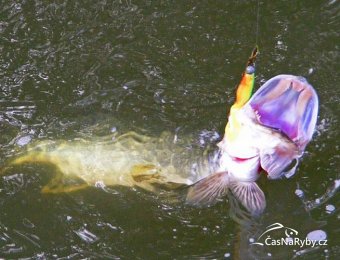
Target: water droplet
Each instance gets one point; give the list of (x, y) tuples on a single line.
[(299, 193), (27, 223), (330, 208), (86, 235), (100, 184), (43, 76), (24, 140)]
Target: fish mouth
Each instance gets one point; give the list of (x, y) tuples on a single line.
[(241, 160)]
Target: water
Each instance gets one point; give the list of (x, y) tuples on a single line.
[(82, 69)]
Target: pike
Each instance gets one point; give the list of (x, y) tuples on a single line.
[(265, 132)]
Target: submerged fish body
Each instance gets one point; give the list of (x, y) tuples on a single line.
[(265, 132), (127, 160)]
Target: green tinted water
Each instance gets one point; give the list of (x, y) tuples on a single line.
[(71, 69)]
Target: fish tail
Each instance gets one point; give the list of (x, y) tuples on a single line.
[(209, 190)]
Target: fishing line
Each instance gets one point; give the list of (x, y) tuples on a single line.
[(257, 21)]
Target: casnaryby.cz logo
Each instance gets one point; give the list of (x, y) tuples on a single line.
[(278, 235)]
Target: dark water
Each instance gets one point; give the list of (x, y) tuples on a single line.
[(82, 68)]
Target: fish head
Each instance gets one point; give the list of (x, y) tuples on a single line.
[(282, 114), (289, 104)]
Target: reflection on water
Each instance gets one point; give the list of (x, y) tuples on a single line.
[(73, 70)]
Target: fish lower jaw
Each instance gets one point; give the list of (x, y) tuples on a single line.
[(246, 170), (246, 177)]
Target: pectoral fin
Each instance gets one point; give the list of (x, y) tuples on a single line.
[(146, 172), (250, 195), (208, 190)]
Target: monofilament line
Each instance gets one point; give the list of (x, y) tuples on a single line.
[(257, 20)]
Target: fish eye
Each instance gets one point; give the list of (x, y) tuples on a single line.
[(250, 69)]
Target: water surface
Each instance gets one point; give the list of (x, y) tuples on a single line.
[(71, 69)]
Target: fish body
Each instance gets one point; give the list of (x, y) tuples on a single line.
[(265, 132), (131, 160)]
